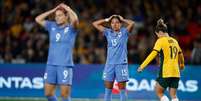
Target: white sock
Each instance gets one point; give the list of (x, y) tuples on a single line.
[(164, 98), (175, 99)]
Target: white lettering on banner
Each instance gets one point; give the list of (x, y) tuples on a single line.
[(16, 81), (192, 85), (134, 85), (38, 83), (26, 83), (4, 82), (21, 82), (148, 85), (189, 86), (144, 85)]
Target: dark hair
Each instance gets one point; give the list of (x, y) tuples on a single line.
[(161, 26), (115, 17)]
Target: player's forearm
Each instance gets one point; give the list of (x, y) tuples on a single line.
[(99, 24), (151, 56), (72, 15), (181, 61), (41, 18), (130, 24)]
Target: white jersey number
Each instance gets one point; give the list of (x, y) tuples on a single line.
[(114, 42), (58, 37), (65, 73)]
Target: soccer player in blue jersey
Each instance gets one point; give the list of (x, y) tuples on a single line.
[(62, 33), (116, 64)]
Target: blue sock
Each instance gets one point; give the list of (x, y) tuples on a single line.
[(66, 99), (123, 95), (108, 94), (51, 98)]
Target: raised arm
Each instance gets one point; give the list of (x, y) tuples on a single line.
[(72, 15), (130, 23), (40, 19), (98, 24)]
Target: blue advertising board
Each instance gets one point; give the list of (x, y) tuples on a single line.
[(26, 80)]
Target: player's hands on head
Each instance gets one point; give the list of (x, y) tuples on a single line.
[(121, 18), (110, 18), (64, 6), (58, 6)]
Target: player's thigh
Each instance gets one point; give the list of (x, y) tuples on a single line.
[(163, 82), (49, 89), (174, 83), (64, 75), (50, 75), (65, 90), (109, 84), (121, 72), (159, 89), (109, 73)]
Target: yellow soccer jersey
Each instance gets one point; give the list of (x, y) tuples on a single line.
[(168, 49)]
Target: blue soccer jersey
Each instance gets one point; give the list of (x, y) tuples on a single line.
[(61, 43), (117, 46)]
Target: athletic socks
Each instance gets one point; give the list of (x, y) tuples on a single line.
[(175, 99), (123, 95), (52, 98), (108, 94), (66, 99), (164, 98)]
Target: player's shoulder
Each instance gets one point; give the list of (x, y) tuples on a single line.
[(107, 29), (160, 39), (124, 29), (50, 22), (175, 40)]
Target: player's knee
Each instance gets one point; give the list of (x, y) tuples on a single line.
[(109, 85), (159, 93), (173, 95), (172, 92), (64, 94), (47, 94)]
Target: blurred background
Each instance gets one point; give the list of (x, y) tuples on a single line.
[(22, 41)]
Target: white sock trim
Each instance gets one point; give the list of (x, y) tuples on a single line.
[(164, 98), (175, 99)]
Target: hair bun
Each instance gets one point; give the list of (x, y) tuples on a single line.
[(160, 22)]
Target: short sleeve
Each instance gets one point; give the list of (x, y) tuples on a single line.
[(158, 45), (125, 30), (106, 31), (73, 29), (48, 25)]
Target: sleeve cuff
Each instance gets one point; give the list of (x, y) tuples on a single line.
[(155, 50)]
